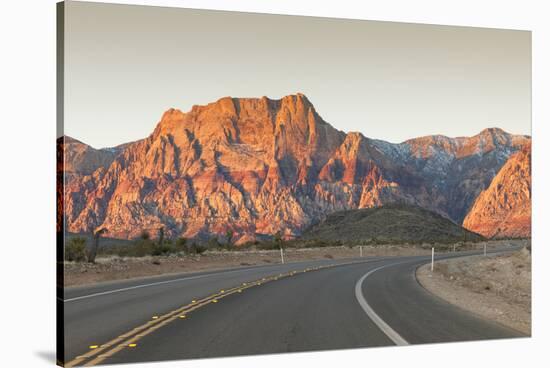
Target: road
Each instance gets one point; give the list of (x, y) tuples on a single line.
[(305, 306)]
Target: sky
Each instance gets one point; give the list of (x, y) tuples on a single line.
[(124, 65)]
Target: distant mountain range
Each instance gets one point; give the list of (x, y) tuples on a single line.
[(258, 166)]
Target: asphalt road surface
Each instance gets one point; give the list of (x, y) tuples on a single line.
[(304, 306)]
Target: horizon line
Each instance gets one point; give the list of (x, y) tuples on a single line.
[(297, 94)]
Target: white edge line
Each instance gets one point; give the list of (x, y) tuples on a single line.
[(132, 288), (382, 325), (390, 332), (151, 284)]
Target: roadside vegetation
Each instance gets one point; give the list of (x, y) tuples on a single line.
[(82, 248), (79, 248)]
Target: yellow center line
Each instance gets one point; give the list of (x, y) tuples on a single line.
[(95, 351), (129, 339), (151, 329)]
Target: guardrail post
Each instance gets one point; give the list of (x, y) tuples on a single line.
[(433, 251)]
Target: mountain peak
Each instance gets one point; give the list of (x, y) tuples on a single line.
[(261, 165), (493, 132)]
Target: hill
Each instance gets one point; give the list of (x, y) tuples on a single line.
[(390, 223)]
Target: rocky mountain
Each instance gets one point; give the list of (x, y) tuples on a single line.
[(504, 208), (259, 166), (82, 159), (75, 160), (393, 223)]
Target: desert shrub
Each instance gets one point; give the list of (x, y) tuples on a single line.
[(75, 250), (268, 245), (138, 248), (181, 242), (195, 249), (162, 249), (146, 247), (246, 246), (327, 243), (213, 243)]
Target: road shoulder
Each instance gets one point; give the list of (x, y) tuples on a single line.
[(497, 288)]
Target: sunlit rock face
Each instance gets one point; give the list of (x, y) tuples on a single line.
[(258, 166), (504, 208)]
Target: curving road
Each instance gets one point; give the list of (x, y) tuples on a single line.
[(320, 305)]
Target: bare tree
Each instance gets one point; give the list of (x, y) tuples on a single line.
[(161, 236), (229, 237), (95, 244)]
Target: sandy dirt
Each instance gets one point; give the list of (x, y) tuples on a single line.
[(116, 268), (494, 287)]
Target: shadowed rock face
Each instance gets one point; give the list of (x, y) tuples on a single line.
[(504, 208), (258, 166)]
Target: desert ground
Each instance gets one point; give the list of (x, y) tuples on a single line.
[(110, 268), (496, 287)]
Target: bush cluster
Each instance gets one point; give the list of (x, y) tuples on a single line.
[(75, 250), (145, 246)]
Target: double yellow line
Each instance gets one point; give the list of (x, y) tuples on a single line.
[(99, 353)]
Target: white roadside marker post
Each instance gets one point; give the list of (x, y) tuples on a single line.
[(454, 248), (360, 251), (282, 256), (484, 249), (432, 259)]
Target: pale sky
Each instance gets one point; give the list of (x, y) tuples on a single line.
[(125, 65)]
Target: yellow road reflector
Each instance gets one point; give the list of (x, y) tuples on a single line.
[(155, 317), (215, 301), (239, 291), (244, 283), (94, 346), (182, 316), (222, 291), (132, 345), (193, 301)]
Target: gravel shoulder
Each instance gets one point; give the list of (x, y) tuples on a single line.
[(496, 287), (120, 268)]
